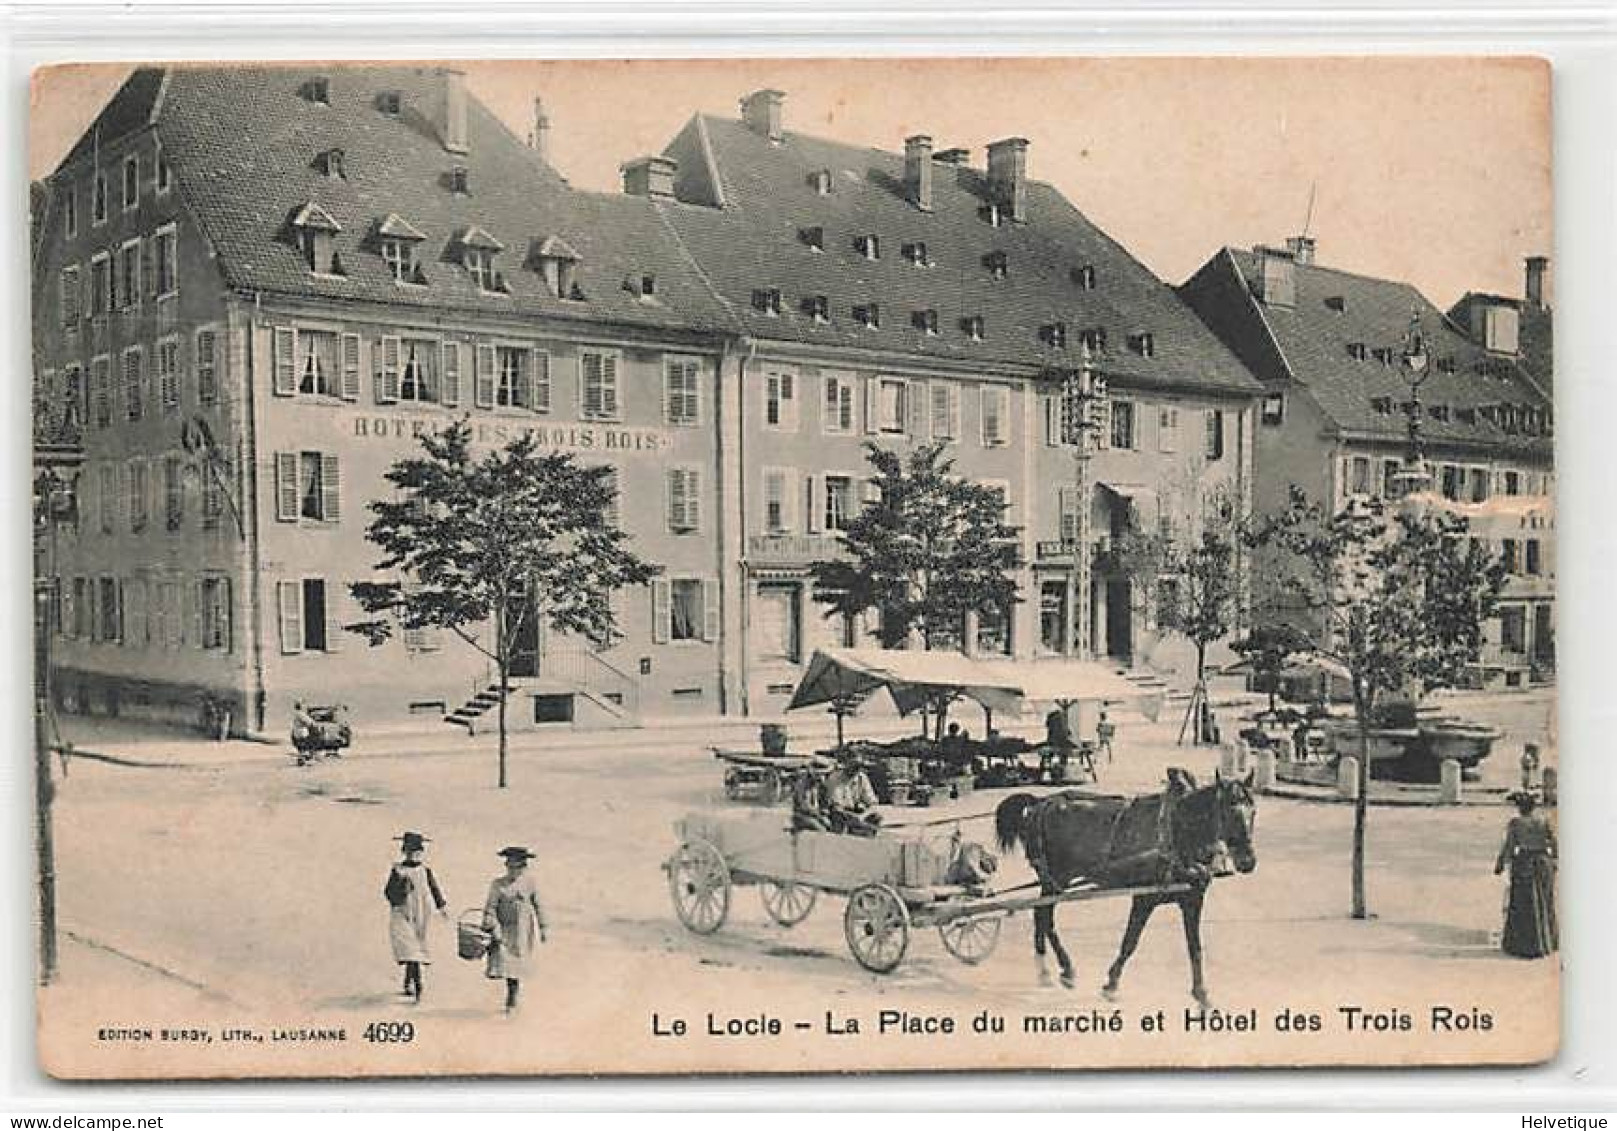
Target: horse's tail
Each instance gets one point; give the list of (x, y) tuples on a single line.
[(1008, 819)]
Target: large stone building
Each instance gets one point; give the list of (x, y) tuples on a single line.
[(255, 287), (908, 297), (1329, 346)]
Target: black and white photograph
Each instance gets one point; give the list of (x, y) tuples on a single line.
[(547, 568)]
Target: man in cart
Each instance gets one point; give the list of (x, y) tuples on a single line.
[(850, 800)]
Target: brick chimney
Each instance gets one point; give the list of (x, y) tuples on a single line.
[(1302, 249), (452, 123), (760, 110), (1007, 176), (541, 131), (650, 176), (918, 171), (1538, 268)]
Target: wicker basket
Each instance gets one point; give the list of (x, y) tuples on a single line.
[(472, 939)]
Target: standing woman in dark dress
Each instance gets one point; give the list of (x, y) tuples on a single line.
[(1529, 852)]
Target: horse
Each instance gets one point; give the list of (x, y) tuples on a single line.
[(1186, 836)]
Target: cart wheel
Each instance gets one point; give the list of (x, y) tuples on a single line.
[(699, 882), (971, 939), (877, 925), (787, 903)]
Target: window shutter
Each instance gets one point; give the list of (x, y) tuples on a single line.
[(387, 370), (283, 361), (609, 384), (789, 500), (1067, 500), (286, 486), (289, 601), (661, 597), (539, 379), (483, 376), (938, 393), (1052, 421), (693, 499), (449, 379), (915, 410), (710, 608), (199, 613), (954, 410), (350, 367), (676, 500), (330, 488), (334, 618), (673, 398), (813, 492), (872, 404), (148, 268), (1103, 423)]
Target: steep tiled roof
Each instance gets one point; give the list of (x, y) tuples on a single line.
[(243, 143), (129, 110), (754, 242), (1336, 310)]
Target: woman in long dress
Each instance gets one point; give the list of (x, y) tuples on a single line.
[(1529, 852), (513, 916), (413, 895)]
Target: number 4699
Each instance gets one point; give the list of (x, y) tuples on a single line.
[(390, 1032)]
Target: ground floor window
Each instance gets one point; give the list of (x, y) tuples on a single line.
[(1053, 616), (1513, 629), (109, 610), (685, 609), (213, 602), (994, 631), (302, 605), (778, 621)]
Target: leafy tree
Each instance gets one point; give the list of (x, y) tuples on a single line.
[(482, 543), (1267, 648), (1400, 597), (928, 549)]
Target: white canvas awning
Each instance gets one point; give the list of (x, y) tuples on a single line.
[(911, 678), (1069, 681)]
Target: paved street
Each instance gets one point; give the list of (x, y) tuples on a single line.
[(256, 890)]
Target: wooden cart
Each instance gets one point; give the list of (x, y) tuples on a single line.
[(893, 885), (752, 776)]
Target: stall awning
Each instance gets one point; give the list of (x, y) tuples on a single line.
[(911, 678)]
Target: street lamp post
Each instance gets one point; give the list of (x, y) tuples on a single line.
[(1414, 477), (1082, 394)]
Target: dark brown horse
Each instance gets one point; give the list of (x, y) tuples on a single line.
[(1184, 835)]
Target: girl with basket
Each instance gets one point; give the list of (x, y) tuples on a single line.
[(412, 894), (515, 921)]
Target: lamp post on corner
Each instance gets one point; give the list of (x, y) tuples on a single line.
[(1414, 477), (1083, 397)]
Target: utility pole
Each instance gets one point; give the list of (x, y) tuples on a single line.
[(1083, 397)]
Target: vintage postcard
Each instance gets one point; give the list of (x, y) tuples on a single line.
[(793, 566)]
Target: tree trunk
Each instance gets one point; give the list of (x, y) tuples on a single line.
[(503, 666), (1361, 803), (1204, 710)]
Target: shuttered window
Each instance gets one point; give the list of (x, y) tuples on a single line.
[(451, 373), (778, 499), (101, 390), (996, 407), (207, 345), (308, 485), (780, 400), (418, 375), (168, 373), (945, 397), (134, 383), (598, 385), (684, 500), (139, 495), (837, 417), (306, 610), (682, 402), (349, 384), (386, 359), (173, 492)]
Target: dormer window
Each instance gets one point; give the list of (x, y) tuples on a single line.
[(331, 164), (1357, 351), (1466, 415), (1383, 354), (1440, 413), (1445, 365), (398, 240), (557, 263), (1143, 344), (1382, 405), (318, 90), (1093, 340), (1084, 277), (820, 182), (991, 215), (477, 252), (925, 321), (817, 307), (460, 182), (648, 286), (315, 231), (1337, 303), (868, 316), (1054, 334), (868, 246), (766, 300), (813, 238), (972, 327), (916, 254), (388, 103), (998, 264)]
